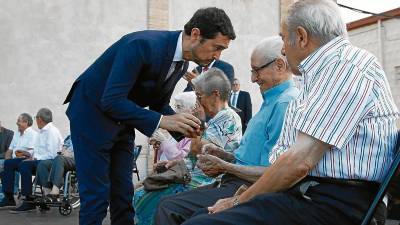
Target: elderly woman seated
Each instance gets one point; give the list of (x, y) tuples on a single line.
[(166, 147), (223, 129)]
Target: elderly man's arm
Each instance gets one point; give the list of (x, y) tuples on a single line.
[(291, 167), (213, 166)]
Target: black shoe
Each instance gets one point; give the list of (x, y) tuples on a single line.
[(25, 207), (6, 203)]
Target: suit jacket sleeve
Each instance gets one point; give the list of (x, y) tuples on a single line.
[(249, 108), (9, 137), (125, 70)]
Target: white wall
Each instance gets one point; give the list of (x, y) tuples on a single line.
[(46, 44), (367, 38)]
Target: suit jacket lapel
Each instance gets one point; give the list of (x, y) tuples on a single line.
[(166, 63)]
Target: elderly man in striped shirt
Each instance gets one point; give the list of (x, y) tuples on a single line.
[(338, 138)]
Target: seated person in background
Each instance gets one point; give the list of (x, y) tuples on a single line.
[(21, 148), (50, 172), (271, 72), (224, 130), (48, 143), (169, 148)]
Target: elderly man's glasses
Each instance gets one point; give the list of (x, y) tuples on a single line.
[(257, 69)]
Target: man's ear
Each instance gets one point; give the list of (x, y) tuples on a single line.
[(302, 37), (195, 34), (280, 64)]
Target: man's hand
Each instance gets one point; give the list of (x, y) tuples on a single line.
[(222, 204), (22, 154), (189, 76), (214, 150), (184, 123), (211, 165)]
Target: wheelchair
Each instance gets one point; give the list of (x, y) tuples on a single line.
[(67, 200)]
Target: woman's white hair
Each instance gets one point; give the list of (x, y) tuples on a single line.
[(321, 19), (186, 99)]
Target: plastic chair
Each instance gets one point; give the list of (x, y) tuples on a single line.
[(136, 152), (384, 185)]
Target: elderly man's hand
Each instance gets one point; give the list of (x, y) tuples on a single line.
[(212, 149), (211, 165), (222, 204), (189, 76)]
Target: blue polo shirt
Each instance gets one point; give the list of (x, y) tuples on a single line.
[(264, 128)]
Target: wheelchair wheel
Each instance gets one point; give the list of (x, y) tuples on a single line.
[(65, 209)]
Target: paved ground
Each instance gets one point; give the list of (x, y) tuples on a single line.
[(51, 217)]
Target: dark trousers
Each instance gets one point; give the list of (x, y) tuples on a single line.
[(104, 178), (26, 168), (51, 172), (329, 204), (178, 208)]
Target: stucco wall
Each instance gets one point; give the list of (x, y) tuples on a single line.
[(45, 45), (367, 38)]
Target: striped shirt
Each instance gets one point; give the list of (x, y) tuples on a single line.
[(345, 102)]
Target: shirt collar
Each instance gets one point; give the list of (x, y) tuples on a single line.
[(178, 56), (25, 131), (46, 127), (321, 53), (277, 90)]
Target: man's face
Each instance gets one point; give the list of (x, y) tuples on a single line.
[(235, 86), (291, 52), (21, 124), (263, 76), (204, 51)]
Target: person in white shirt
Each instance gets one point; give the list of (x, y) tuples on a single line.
[(48, 143), (21, 147)]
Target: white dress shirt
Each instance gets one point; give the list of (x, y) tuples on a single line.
[(25, 141), (49, 142)]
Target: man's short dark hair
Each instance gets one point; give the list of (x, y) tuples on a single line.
[(27, 118), (210, 22)]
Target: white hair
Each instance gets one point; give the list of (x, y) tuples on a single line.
[(186, 99), (213, 79), (320, 18), (269, 49)]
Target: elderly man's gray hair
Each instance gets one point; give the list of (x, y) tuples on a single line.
[(45, 114), (213, 79), (320, 18), (27, 118), (269, 49)]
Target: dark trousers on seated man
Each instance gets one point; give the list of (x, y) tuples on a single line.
[(306, 203), (51, 172), (178, 208), (25, 168)]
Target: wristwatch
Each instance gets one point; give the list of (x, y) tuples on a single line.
[(236, 201)]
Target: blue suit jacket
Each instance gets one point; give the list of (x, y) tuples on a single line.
[(111, 95), (220, 64), (244, 104)]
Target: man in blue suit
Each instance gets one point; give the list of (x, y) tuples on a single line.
[(107, 102), (220, 64)]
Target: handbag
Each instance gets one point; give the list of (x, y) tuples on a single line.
[(176, 174)]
